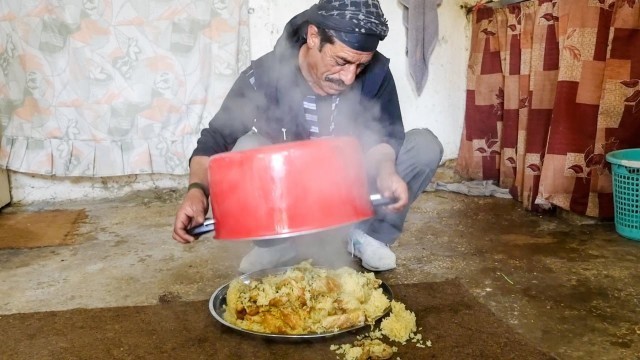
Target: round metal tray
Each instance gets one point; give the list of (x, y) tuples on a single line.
[(218, 302)]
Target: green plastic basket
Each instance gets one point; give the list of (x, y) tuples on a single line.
[(625, 166)]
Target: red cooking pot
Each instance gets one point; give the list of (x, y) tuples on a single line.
[(288, 189)]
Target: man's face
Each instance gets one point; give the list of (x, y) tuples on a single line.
[(334, 67)]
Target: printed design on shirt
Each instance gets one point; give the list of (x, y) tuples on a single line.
[(311, 116)]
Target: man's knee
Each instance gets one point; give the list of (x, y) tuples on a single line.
[(424, 148)]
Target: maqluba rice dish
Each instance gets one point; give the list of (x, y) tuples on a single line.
[(306, 300)]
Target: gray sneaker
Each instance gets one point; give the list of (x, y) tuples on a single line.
[(260, 258), (375, 255)]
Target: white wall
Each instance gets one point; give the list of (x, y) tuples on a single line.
[(439, 108)]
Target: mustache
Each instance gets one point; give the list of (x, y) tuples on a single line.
[(337, 82)]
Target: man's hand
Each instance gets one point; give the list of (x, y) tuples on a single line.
[(195, 204), (381, 162), (391, 185), (191, 213)]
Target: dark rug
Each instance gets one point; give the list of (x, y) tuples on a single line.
[(458, 326), (38, 229)]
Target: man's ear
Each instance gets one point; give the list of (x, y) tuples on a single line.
[(313, 38)]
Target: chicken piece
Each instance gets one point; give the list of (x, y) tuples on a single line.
[(344, 321), (252, 310), (278, 301), (292, 319), (241, 313), (374, 350), (326, 285), (271, 323)]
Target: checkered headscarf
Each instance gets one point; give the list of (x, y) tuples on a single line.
[(351, 16), (359, 24)]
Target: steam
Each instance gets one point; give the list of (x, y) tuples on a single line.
[(326, 248), (352, 116)]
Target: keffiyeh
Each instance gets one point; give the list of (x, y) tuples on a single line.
[(354, 16), (359, 24)]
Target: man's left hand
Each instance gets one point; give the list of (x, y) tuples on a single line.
[(391, 185), (381, 162)]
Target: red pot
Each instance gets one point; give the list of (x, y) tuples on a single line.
[(288, 189)]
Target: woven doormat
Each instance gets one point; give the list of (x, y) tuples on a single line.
[(458, 326), (39, 229)]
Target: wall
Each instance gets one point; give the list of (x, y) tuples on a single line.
[(439, 108)]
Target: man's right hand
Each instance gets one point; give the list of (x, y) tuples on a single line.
[(191, 213)]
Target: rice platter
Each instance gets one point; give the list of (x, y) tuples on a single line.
[(306, 300)]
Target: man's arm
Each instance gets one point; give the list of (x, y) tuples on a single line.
[(196, 202), (390, 115), (381, 158)]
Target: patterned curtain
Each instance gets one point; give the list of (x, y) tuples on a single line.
[(552, 87), (113, 87)]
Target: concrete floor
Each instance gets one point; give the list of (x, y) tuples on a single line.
[(571, 289)]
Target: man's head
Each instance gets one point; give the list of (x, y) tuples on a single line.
[(342, 37)]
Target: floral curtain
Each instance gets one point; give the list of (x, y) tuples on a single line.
[(552, 87), (113, 87)]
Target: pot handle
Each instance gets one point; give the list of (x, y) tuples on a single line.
[(207, 226), (379, 200)]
